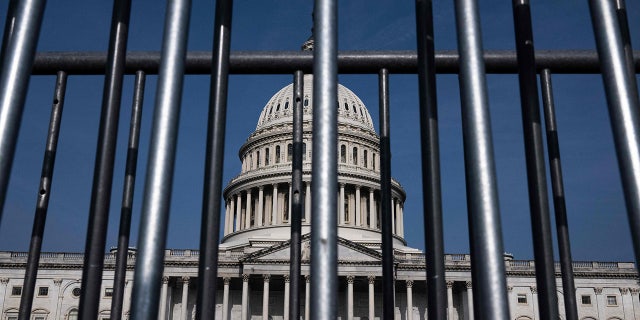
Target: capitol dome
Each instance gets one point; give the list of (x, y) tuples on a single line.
[(258, 199)]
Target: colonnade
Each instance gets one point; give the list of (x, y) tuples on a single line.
[(265, 311), (271, 205)]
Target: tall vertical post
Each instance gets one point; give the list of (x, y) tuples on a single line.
[(324, 256), (212, 190), (105, 156), (430, 152), (534, 152), (557, 186), (9, 24), (485, 232), (296, 187), (624, 108), (42, 202), (159, 176), (127, 198), (388, 297), (19, 47)]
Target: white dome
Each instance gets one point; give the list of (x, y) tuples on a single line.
[(279, 109)]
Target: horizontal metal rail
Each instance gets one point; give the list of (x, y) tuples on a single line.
[(349, 62)]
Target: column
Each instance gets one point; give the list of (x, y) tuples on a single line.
[(600, 303), (358, 211), (185, 296), (245, 296), (307, 296), (409, 299), (401, 220), (372, 211), (58, 285), (372, 305), (393, 216), (247, 222), (398, 219), (341, 204), (350, 297), (265, 297), (627, 304), (232, 209), (307, 204), (226, 217), (636, 302), (260, 206), (238, 211), (511, 300), (274, 202), (450, 300), (163, 298), (225, 298), (469, 301), (286, 297), (290, 203), (534, 297)]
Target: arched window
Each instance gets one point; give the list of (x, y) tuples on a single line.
[(289, 152), (286, 105), (258, 158), (346, 106), (373, 161), (354, 156), (277, 154), (306, 102), (365, 158), (278, 107), (343, 153), (266, 156), (353, 106)]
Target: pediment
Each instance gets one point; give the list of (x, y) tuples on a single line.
[(348, 252)]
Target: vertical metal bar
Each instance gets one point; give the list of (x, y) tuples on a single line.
[(296, 206), (488, 271), (162, 151), (624, 108), (14, 82), (388, 299), (534, 153), (214, 158), (621, 11), (105, 155), (42, 203), (557, 186), (8, 26), (127, 198), (431, 192), (324, 256)]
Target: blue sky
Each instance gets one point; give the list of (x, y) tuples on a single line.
[(597, 216)]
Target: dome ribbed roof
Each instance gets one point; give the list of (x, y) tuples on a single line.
[(279, 109)]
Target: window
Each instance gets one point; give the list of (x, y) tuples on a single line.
[(522, 298), (289, 152), (250, 161), (346, 106), (365, 159), (373, 161), (258, 158), (304, 151), (73, 314), (108, 292), (16, 290), (306, 102), (343, 153), (76, 293), (612, 301), (277, 154), (278, 107), (286, 105), (355, 156), (266, 156), (586, 299), (43, 291)]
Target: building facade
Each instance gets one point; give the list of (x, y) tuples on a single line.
[(254, 253)]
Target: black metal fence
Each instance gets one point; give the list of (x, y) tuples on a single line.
[(614, 59)]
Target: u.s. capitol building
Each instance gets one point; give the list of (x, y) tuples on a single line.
[(253, 270)]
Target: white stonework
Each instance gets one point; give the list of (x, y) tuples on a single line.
[(254, 253)]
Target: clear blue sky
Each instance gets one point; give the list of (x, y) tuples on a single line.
[(597, 216)]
